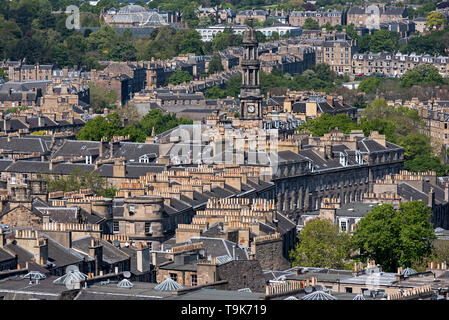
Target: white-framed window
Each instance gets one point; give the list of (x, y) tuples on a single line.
[(194, 280), (144, 159), (13, 178), (115, 226)]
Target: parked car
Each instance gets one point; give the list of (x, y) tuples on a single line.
[(5, 228)]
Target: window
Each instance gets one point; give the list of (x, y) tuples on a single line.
[(131, 210), (194, 281), (147, 227), (348, 289), (13, 178), (343, 225), (115, 226), (24, 178), (173, 276)]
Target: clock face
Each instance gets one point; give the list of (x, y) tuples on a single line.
[(251, 109)]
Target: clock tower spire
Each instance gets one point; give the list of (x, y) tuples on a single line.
[(250, 92)]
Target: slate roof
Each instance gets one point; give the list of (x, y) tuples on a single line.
[(60, 255), (134, 170), (133, 150), (216, 247), (27, 166), (23, 144), (75, 148), (61, 214), (111, 254), (5, 255)]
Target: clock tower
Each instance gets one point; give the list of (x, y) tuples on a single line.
[(250, 93)]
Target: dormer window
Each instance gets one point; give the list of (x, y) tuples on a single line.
[(144, 159), (88, 159), (343, 159)]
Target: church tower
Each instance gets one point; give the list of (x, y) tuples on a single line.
[(250, 92)]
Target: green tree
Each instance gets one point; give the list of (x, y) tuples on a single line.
[(414, 145), (80, 179), (99, 127), (395, 238), (3, 75), (321, 245), (215, 64), (311, 24), (99, 99), (417, 233), (369, 85), (179, 77), (160, 122), (423, 74), (233, 86), (379, 108), (359, 102), (188, 41), (226, 39), (326, 122), (384, 41), (189, 16), (215, 93), (435, 20)]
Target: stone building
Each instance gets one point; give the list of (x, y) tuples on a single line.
[(125, 78), (190, 267), (306, 105), (255, 224), (334, 166), (362, 17), (19, 71), (394, 64), (250, 91), (333, 17), (421, 186), (337, 52), (259, 15)]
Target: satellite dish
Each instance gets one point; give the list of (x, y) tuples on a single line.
[(127, 274), (116, 243), (308, 289)]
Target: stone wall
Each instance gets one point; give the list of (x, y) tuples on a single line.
[(242, 274), (269, 255), (21, 217)]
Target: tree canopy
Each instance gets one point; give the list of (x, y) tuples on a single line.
[(435, 20), (321, 245), (179, 77), (311, 24), (395, 238), (80, 179), (423, 74), (111, 126)]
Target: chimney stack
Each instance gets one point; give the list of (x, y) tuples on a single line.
[(96, 252), (2, 239), (143, 258), (446, 192), (431, 202)]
